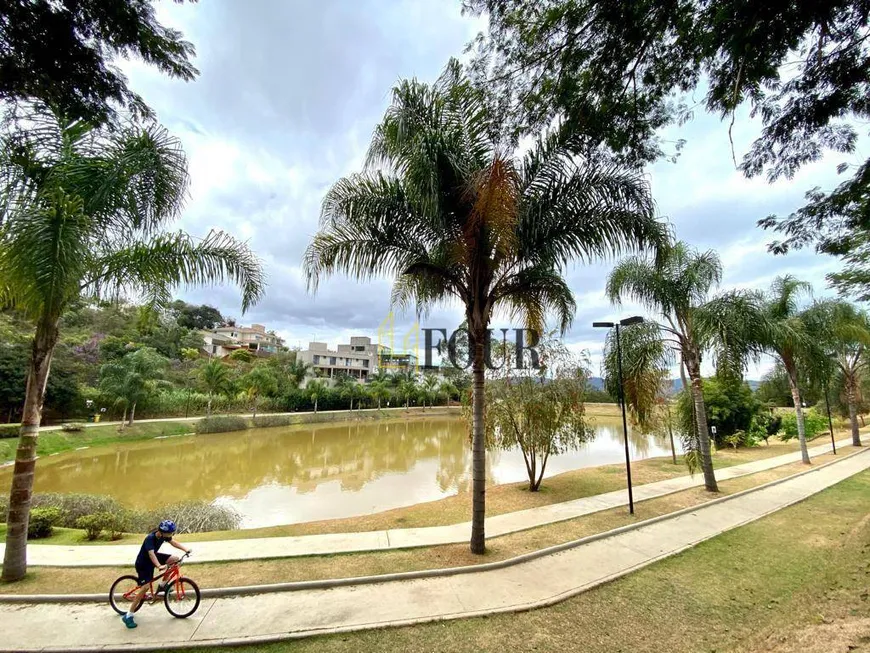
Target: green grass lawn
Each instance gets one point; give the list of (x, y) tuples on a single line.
[(796, 581)]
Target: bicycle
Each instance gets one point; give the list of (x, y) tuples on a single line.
[(181, 596)]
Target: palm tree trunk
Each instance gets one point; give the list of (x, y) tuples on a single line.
[(799, 415), (315, 405), (132, 414), (478, 451), (853, 414), (254, 416), (697, 390), (21, 493), (671, 434), (208, 406), (124, 418)]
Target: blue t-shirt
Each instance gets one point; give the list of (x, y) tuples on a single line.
[(151, 543)]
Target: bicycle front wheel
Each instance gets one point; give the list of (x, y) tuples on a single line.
[(123, 593), (182, 598)]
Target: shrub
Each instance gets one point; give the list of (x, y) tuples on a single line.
[(74, 506), (92, 525), (222, 424), (189, 516), (72, 427), (42, 522), (265, 421), (9, 430), (814, 424), (116, 523)]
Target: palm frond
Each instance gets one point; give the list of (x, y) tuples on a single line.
[(158, 264)]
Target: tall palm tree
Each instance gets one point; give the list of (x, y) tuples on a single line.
[(429, 389), (448, 212), (785, 335), (407, 390), (214, 375), (677, 287), (840, 333), (82, 214)]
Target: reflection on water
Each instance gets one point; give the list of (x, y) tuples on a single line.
[(310, 472)]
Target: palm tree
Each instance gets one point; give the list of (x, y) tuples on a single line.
[(214, 375), (839, 334), (677, 285), (448, 212), (348, 387), (785, 335), (82, 215), (428, 389), (316, 389), (407, 390), (449, 389), (258, 381), (132, 378), (380, 391)]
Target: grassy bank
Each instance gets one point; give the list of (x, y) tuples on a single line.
[(228, 574), (53, 442), (793, 582), (95, 435)]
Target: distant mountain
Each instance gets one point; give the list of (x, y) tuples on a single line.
[(598, 383)]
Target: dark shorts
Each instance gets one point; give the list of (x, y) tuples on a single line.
[(145, 573)]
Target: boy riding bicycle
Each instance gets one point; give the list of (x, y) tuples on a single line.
[(149, 559)]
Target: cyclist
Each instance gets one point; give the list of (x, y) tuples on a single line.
[(149, 559)]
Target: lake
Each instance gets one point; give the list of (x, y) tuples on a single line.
[(311, 472)]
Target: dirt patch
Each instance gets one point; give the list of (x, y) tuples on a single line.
[(841, 636)]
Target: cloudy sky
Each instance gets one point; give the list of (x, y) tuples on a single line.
[(288, 95)]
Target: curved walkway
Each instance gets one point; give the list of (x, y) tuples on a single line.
[(537, 583), (304, 545)]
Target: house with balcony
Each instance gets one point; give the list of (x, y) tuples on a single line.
[(358, 359), (224, 340)]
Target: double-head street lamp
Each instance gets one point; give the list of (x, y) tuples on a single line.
[(609, 325)]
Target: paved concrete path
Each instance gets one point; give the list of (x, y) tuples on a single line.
[(498, 525), (536, 583)]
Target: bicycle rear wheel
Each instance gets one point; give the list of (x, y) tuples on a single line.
[(123, 593), (182, 598)]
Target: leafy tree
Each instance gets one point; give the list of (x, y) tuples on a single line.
[(259, 381), (83, 216), (131, 380), (730, 405), (615, 73), (62, 54), (349, 388), (242, 356), (316, 390), (445, 210), (190, 316), (774, 389), (647, 388), (541, 410), (677, 285), (214, 375)]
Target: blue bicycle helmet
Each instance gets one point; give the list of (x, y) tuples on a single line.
[(167, 526)]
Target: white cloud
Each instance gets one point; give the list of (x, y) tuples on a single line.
[(288, 97)]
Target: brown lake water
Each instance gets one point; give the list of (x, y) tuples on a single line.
[(311, 472)]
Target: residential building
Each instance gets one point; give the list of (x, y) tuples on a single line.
[(360, 359), (224, 340), (357, 359)]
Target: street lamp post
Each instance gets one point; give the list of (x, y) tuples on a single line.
[(608, 325)]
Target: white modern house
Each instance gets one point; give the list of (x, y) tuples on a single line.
[(359, 359)]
